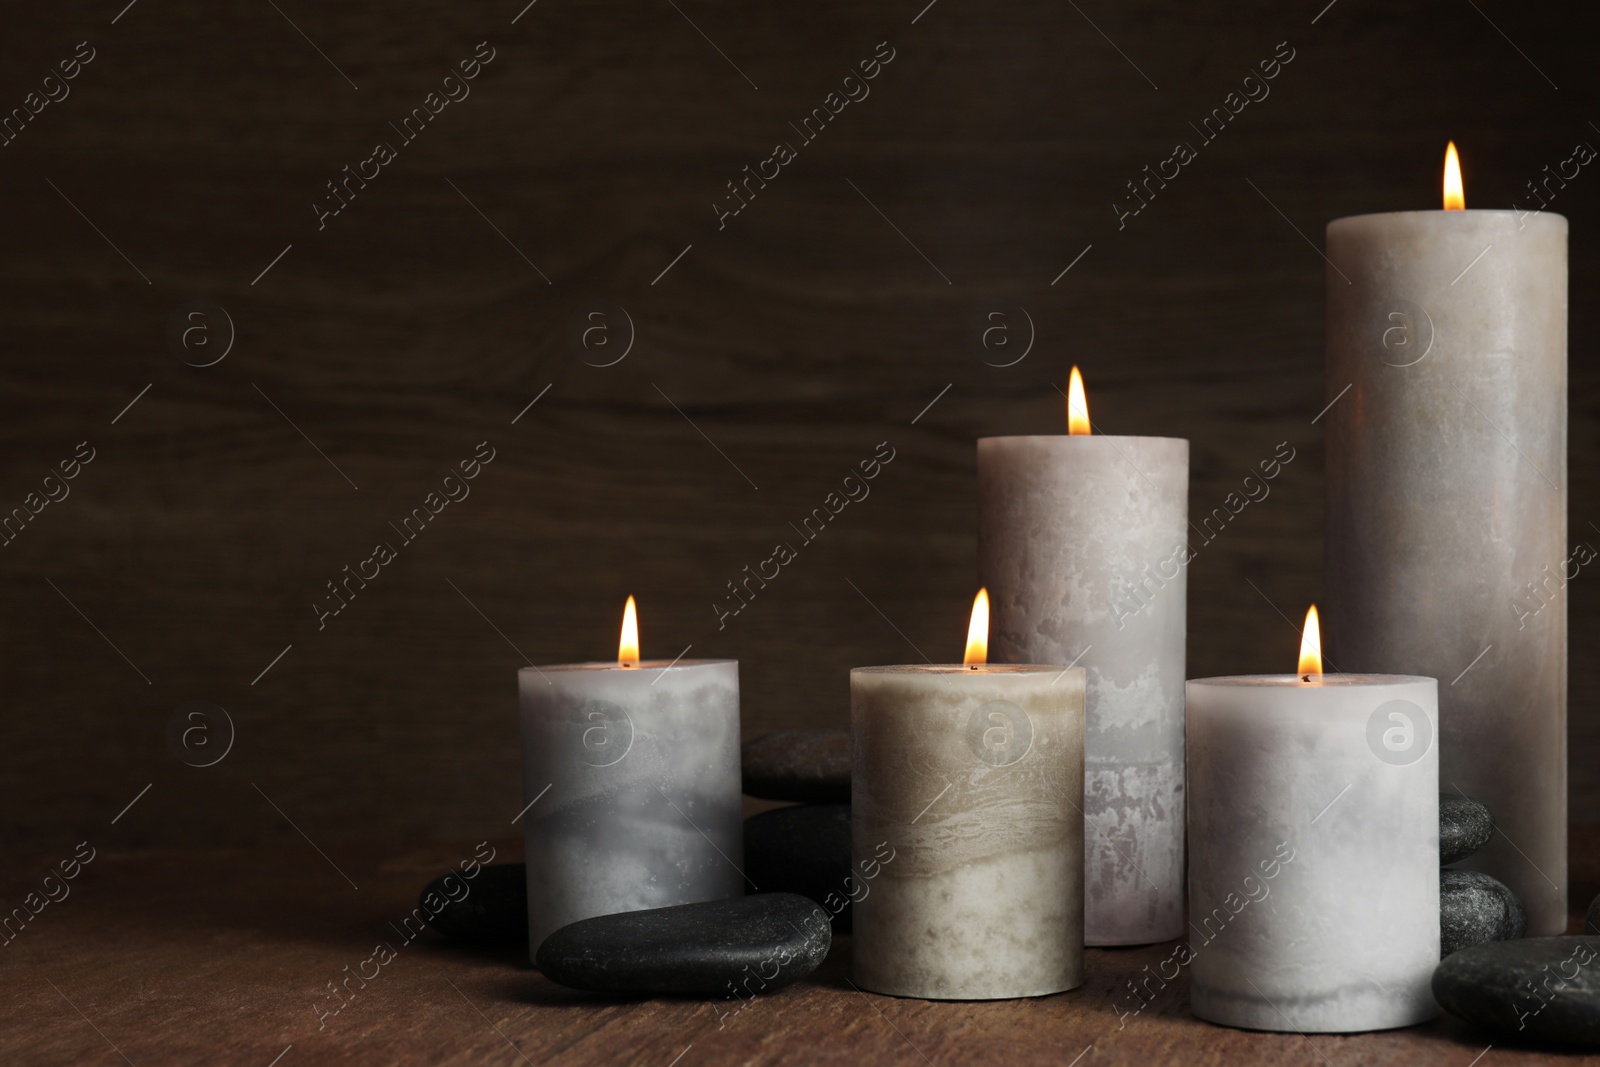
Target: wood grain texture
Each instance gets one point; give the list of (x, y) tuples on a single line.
[(225, 957), (816, 324)]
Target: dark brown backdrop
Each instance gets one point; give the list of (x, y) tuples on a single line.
[(797, 338)]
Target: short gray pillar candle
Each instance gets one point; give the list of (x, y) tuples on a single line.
[(631, 772)]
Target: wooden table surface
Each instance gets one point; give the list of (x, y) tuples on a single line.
[(225, 958)]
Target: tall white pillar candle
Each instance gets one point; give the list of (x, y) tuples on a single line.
[(1447, 504), (633, 777), (1082, 542), (1313, 851)]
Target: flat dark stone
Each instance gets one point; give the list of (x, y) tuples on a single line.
[(1474, 909), (493, 911), (722, 948), (1541, 988), (1465, 826), (1592, 924), (805, 766), (804, 850)]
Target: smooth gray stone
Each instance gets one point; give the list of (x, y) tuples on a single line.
[(722, 948), (494, 910), (806, 850), (1474, 909), (1541, 989), (805, 766), (1465, 826)]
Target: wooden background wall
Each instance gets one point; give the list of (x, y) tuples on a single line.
[(378, 351)]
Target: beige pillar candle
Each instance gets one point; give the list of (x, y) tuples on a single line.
[(1083, 542), (1447, 504), (967, 834)]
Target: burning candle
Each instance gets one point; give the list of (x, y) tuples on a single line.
[(1083, 541), (967, 831), (1447, 501), (1313, 848), (631, 774)]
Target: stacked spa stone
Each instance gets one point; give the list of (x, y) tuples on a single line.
[(797, 868), (1543, 989), (718, 949), (1537, 989), (721, 949), (804, 848), (1473, 907)]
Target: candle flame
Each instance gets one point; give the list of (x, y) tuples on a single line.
[(628, 647), (978, 631), (1077, 405), (1455, 195), (1311, 647)]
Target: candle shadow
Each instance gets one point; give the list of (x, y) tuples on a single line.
[(541, 992), (435, 945), (1473, 1039)]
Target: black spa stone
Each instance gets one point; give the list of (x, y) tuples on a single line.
[(1592, 924), (805, 850), (1475, 908), (1465, 826), (1539, 989), (744, 946), (493, 911), (804, 766)]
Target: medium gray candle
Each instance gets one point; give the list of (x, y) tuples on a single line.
[(631, 770), (966, 787), (1082, 542), (1447, 504)]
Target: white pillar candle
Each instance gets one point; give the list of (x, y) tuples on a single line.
[(1313, 851), (1447, 504), (632, 773), (1082, 542), (967, 835)]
